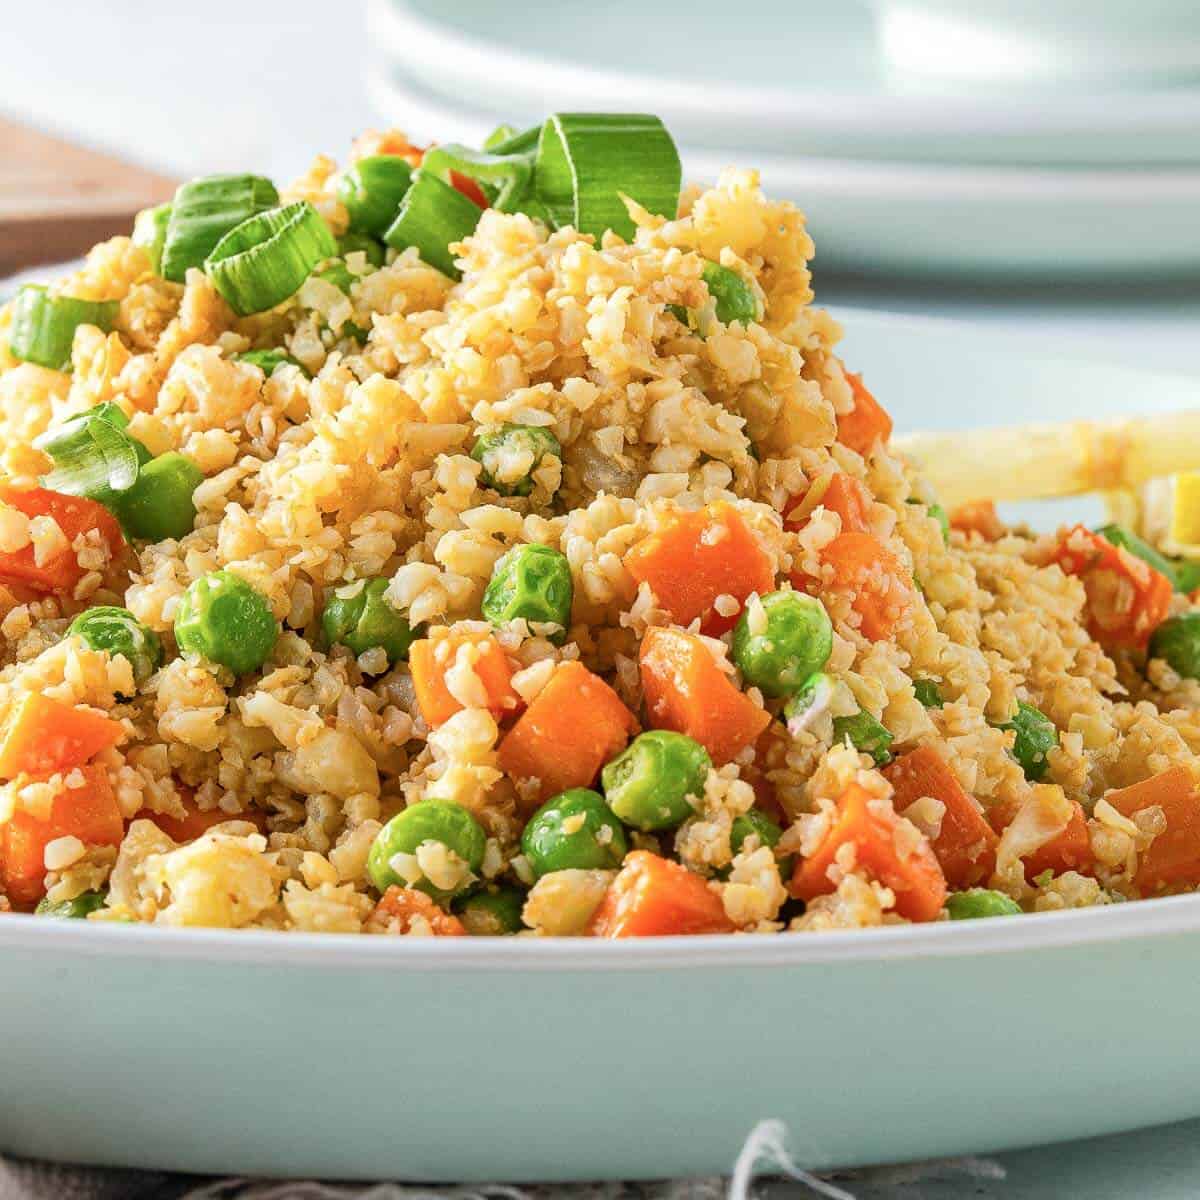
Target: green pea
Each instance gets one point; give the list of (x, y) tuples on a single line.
[(74, 909), (360, 617), (355, 242), (734, 298), (866, 735), (118, 631), (1177, 640), (1187, 574), (267, 360), (1118, 535), (980, 902), (1036, 737), (159, 505), (813, 699), (574, 829), (531, 582), (927, 692), (222, 618), (757, 822), (492, 913), (797, 641), (510, 455), (651, 784), (372, 190), (427, 821)]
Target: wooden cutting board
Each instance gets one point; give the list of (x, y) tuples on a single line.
[(58, 199)]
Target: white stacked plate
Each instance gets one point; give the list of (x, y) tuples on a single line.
[(897, 172)]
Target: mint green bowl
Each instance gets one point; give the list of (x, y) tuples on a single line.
[(341, 1057), (481, 1059)]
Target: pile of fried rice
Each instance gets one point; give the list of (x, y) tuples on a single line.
[(365, 470)]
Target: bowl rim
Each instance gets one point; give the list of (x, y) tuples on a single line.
[(1031, 933)]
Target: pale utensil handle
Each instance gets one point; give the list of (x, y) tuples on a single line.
[(1038, 461)]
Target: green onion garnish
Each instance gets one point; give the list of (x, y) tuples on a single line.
[(204, 211), (507, 176), (517, 142), (587, 161), (150, 232), (499, 135), (350, 242), (339, 275), (43, 325), (266, 259), (432, 218), (93, 455), (267, 360), (372, 190)]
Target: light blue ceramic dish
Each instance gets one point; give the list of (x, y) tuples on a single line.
[(468, 1060)]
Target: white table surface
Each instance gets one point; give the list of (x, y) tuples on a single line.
[(231, 85)]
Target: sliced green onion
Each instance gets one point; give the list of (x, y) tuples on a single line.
[(267, 360), (586, 162), (150, 232), (433, 217), (499, 135), (43, 325), (516, 143), (266, 259), (509, 176), (339, 275), (93, 455), (351, 242), (204, 211), (372, 191)]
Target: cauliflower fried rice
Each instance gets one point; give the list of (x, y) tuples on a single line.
[(694, 467)]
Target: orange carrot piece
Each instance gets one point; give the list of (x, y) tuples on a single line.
[(42, 736), (89, 812), (886, 851), (575, 724), (428, 660), (880, 589), (74, 515), (686, 691), (696, 557), (1127, 599), (198, 821), (405, 904), (866, 423), (467, 186), (847, 497), (966, 844), (654, 897), (1070, 850), (978, 516), (1173, 858)]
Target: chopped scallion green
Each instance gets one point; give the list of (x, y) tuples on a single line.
[(150, 232), (510, 176), (267, 258), (351, 242), (268, 360), (93, 455), (204, 211), (372, 190), (433, 217), (43, 325), (586, 163)]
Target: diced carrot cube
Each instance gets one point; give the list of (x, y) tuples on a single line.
[(686, 691), (654, 897), (42, 736), (430, 659)]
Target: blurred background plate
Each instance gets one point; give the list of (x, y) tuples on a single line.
[(792, 78), (917, 219)]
